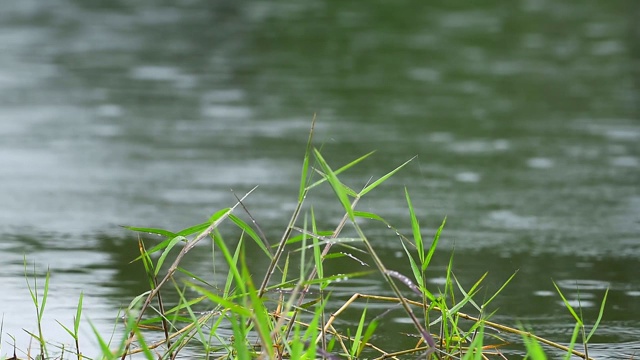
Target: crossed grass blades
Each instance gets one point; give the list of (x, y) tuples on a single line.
[(242, 323)]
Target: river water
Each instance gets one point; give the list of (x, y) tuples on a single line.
[(523, 117)]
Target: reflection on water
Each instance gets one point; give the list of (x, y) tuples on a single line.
[(521, 114)]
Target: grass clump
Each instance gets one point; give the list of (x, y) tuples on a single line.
[(240, 321)]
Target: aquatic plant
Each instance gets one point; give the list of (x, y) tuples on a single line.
[(241, 321)]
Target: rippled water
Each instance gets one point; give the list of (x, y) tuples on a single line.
[(524, 118)]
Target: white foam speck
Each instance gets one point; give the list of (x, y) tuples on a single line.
[(438, 280), (163, 73), (440, 137), (109, 110), (424, 74), (625, 161), (577, 303), (540, 163), (468, 177), (623, 134), (226, 111), (501, 144), (158, 73), (509, 220)]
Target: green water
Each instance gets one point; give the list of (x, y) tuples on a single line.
[(523, 117)]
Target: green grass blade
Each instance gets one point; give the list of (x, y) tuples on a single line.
[(475, 348), (317, 251), (369, 215), (417, 275), (355, 345), (371, 328), (252, 234), (501, 288), (34, 294), (595, 326), (233, 270), (143, 344), (219, 215), (260, 315), (148, 264), (569, 307), (434, 245), (228, 304), (193, 229), (239, 335), (467, 293), (232, 265), (342, 169), (468, 296), (193, 276), (415, 226), (383, 178), (152, 231), (534, 349), (76, 320), (336, 185), (161, 246), (106, 351), (338, 277), (69, 331), (574, 338), (166, 251), (304, 179), (45, 294)]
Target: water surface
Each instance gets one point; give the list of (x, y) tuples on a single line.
[(523, 116)]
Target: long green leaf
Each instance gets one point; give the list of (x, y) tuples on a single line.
[(317, 251), (304, 177), (69, 331), (219, 215), (230, 305), (239, 336), (417, 275), (76, 321), (260, 314), (415, 226), (384, 178), (501, 288), (595, 326), (569, 307), (193, 276), (371, 328), (232, 265), (252, 234), (342, 169), (369, 215), (45, 294), (574, 338), (166, 251), (434, 245), (475, 349), (336, 185), (106, 351), (154, 231), (233, 270), (466, 293), (355, 345), (534, 349), (194, 229), (143, 344)]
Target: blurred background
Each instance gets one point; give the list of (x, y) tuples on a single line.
[(523, 116)]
